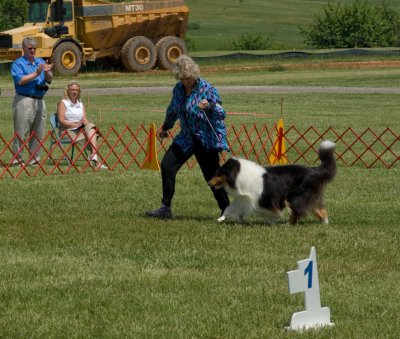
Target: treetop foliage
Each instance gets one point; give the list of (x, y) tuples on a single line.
[(13, 13), (356, 24)]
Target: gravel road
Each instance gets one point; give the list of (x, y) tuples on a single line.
[(230, 89)]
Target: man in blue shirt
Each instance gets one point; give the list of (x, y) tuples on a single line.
[(31, 76)]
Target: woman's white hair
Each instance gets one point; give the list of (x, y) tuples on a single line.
[(185, 67)]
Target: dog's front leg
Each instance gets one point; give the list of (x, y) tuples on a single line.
[(221, 218), (226, 214)]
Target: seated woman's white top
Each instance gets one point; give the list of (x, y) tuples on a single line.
[(73, 112)]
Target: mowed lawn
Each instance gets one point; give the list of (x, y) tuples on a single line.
[(214, 25), (80, 259)]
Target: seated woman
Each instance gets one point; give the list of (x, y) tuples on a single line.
[(72, 118)]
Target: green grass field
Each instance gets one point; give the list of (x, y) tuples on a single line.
[(80, 259), (220, 22)]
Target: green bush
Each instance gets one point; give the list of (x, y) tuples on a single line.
[(193, 26), (253, 41), (13, 13), (190, 44), (357, 24)]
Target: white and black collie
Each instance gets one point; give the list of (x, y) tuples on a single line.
[(268, 190)]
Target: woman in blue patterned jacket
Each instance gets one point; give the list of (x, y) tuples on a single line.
[(197, 105)]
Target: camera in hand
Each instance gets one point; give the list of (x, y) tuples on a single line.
[(42, 87)]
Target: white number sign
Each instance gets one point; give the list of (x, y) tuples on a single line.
[(305, 279)]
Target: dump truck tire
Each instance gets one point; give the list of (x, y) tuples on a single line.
[(67, 58), (138, 54), (169, 49)]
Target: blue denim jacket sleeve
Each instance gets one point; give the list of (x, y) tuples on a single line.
[(175, 106)]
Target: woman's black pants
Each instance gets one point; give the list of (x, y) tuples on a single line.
[(173, 160)]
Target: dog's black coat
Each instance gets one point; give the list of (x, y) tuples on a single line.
[(300, 188)]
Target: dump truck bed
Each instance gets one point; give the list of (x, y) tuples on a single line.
[(102, 25)]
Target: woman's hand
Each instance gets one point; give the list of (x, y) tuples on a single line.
[(203, 104), (162, 134)]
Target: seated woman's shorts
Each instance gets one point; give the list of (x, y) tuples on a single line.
[(73, 133)]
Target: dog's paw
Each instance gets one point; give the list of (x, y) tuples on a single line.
[(221, 219), (324, 221)]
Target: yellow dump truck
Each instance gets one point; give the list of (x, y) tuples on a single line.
[(140, 34)]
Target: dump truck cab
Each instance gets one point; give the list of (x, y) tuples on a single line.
[(11, 40), (139, 34), (43, 17)]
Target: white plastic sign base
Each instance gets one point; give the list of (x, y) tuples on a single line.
[(305, 279)]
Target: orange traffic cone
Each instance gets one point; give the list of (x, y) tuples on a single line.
[(278, 152), (151, 161)]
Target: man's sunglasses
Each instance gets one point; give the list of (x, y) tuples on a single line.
[(31, 48)]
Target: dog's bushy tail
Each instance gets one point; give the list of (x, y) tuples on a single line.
[(326, 154)]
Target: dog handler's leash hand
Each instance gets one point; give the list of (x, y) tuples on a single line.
[(203, 104), (162, 134)]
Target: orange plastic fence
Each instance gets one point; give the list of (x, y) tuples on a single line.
[(127, 149)]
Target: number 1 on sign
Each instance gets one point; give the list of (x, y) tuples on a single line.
[(308, 271)]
